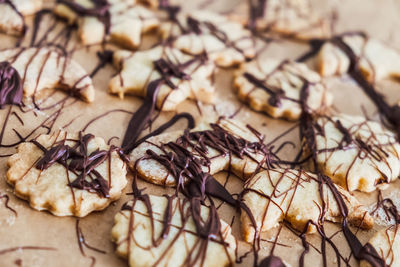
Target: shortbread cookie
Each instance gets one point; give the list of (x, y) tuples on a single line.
[(182, 76), (173, 158), (167, 231), (295, 18), (224, 41), (67, 174), (13, 12), (121, 21), (275, 88), (47, 67), (356, 153), (386, 242), (376, 59), (295, 195)]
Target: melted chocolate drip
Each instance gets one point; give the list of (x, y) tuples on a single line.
[(105, 57), (11, 90), (79, 162), (143, 116)]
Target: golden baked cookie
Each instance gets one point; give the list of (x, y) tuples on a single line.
[(168, 231), (275, 88), (377, 60), (294, 18), (181, 76), (386, 242), (13, 12), (67, 174), (121, 21), (211, 147), (356, 153), (295, 195), (225, 41), (47, 67)]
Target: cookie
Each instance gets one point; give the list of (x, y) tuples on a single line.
[(386, 242), (376, 59), (13, 11), (294, 18), (275, 87), (182, 76), (172, 158), (225, 41), (48, 67), (167, 231), (67, 174), (121, 21), (295, 196), (356, 153)]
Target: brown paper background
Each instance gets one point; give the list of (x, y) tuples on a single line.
[(380, 18)]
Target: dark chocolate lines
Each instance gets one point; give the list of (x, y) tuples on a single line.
[(6, 200), (77, 160), (82, 243), (207, 230), (308, 132), (11, 89)]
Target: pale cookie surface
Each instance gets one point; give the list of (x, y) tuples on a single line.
[(211, 148), (163, 231), (181, 76), (295, 18), (46, 67), (356, 153), (13, 12), (226, 42), (55, 181), (387, 243), (295, 195), (275, 88), (121, 21), (376, 59)]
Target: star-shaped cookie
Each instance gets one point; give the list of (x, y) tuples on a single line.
[(12, 14), (121, 21), (168, 231), (67, 174), (295, 195), (47, 67), (182, 76), (275, 88), (358, 154), (293, 18), (225, 41), (172, 158), (376, 59)]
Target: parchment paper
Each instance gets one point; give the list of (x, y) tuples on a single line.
[(379, 18)]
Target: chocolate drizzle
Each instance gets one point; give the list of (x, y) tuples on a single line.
[(82, 243), (77, 160), (308, 130), (11, 90), (99, 11), (7, 199), (390, 113)]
